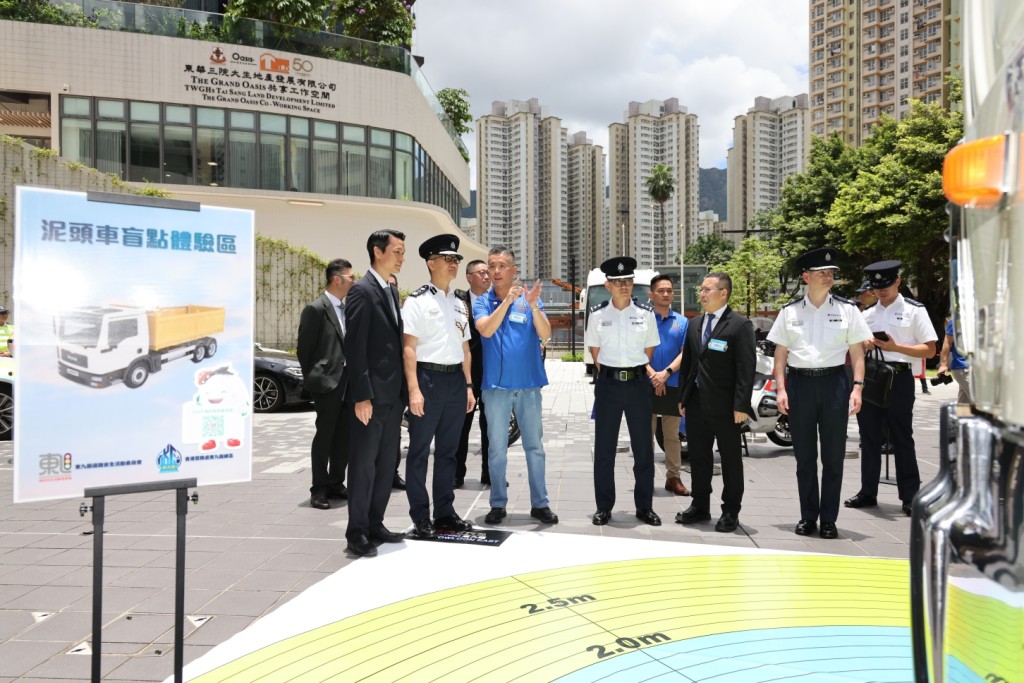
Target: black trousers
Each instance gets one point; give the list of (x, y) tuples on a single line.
[(444, 411), (819, 407), (611, 399), (467, 426), (702, 430), (329, 450), (899, 418), (371, 467)]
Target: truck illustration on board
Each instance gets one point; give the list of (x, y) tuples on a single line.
[(103, 345)]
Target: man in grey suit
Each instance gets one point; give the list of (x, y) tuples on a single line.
[(376, 392), (321, 352)]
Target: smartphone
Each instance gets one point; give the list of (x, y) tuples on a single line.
[(884, 336)]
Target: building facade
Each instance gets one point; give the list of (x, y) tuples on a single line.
[(868, 58), (585, 229), (770, 142), (654, 132)]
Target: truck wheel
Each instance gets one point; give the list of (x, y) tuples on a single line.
[(198, 354), (6, 412), (138, 373), (211, 348)]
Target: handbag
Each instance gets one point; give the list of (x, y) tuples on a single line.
[(878, 379)]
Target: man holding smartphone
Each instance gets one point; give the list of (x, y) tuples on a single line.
[(904, 333)]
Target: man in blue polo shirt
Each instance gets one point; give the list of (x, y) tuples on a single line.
[(511, 322), (663, 371)]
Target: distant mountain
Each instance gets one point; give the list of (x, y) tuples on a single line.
[(712, 191), (470, 211)]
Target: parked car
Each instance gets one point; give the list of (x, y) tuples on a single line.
[(277, 380), (6, 399)]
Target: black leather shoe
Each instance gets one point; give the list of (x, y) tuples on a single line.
[(828, 530), (727, 523), (382, 535), (693, 515), (805, 527), (545, 515), (460, 482), (319, 501), (495, 516), (423, 529), (452, 523), (648, 517), (601, 517), (338, 493), (398, 482), (907, 510), (361, 546), (861, 501), (485, 480)]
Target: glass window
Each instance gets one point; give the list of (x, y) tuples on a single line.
[(380, 137), (355, 134), (403, 142), (144, 153), (403, 176), (178, 155), (77, 106), (110, 109), (145, 111), (210, 157), (354, 163), (325, 166), (243, 119), (175, 114), (76, 140), (242, 158), (381, 173), (111, 142), (298, 178), (272, 171), (210, 117), (273, 123), (300, 126), (322, 129)]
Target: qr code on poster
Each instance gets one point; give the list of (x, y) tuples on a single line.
[(213, 426)]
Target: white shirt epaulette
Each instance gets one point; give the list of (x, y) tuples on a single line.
[(913, 303), (794, 301), (598, 307), (423, 290)]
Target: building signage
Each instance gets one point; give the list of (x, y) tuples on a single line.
[(274, 81), (134, 353)]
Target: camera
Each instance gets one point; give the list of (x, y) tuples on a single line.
[(944, 378)]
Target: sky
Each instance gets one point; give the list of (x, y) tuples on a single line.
[(585, 60)]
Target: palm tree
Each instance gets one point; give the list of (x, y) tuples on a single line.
[(661, 185)]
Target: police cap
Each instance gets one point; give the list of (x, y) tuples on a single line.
[(883, 273), (3, 310), (864, 287), (440, 245), (619, 267), (818, 259)]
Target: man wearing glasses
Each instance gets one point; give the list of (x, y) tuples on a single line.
[(437, 371), (479, 282), (718, 367), (621, 335), (511, 322)]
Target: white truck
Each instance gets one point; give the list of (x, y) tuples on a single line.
[(103, 345)]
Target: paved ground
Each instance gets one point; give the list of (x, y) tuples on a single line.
[(254, 546)]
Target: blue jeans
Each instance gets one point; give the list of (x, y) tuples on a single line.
[(499, 404)]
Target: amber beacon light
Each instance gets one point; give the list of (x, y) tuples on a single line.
[(974, 174)]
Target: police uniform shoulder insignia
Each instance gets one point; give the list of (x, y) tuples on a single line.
[(842, 300), (913, 303), (794, 301), (421, 291), (868, 308), (644, 306), (599, 306)]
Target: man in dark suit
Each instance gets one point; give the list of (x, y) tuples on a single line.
[(718, 364), (376, 392), (479, 282), (321, 353)]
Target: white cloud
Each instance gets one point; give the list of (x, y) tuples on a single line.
[(585, 60)]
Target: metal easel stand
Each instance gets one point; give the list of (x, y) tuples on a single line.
[(99, 495)]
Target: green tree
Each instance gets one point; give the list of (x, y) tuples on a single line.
[(709, 250), (389, 22), (895, 206), (754, 269), (304, 14), (455, 102), (660, 185)]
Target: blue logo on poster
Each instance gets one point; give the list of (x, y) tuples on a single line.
[(169, 459)]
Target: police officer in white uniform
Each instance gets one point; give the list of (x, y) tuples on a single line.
[(905, 334), (621, 334), (437, 370), (813, 335)]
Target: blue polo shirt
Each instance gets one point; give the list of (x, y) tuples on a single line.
[(512, 357), (672, 331), (956, 361)]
